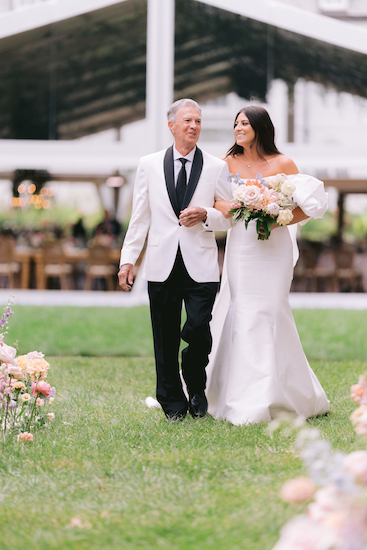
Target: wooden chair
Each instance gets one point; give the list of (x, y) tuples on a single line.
[(345, 270), (51, 262), (99, 266), (8, 267)]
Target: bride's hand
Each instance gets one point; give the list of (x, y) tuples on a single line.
[(224, 207)]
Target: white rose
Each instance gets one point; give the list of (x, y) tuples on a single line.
[(285, 217), (288, 188), (272, 209)]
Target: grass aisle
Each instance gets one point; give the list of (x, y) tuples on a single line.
[(112, 474)]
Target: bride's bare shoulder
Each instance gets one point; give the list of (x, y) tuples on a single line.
[(285, 165), (229, 159)]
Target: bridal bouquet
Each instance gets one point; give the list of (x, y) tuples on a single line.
[(336, 517), (25, 395), (267, 200)]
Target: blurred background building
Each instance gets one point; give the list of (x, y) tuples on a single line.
[(84, 89)]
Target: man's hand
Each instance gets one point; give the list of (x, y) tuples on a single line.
[(193, 215), (125, 276)]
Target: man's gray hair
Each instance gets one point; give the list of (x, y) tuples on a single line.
[(173, 110)]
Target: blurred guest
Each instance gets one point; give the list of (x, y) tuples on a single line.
[(108, 226)]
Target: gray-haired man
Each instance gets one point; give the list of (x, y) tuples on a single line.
[(174, 194)]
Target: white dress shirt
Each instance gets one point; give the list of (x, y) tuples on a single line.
[(178, 164)]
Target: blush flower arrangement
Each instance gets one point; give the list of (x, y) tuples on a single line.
[(336, 517), (25, 396), (267, 200)]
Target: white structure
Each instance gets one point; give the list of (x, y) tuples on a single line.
[(326, 145)]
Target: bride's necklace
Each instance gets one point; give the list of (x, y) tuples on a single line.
[(251, 164)]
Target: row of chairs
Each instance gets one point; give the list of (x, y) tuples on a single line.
[(52, 262), (334, 270)]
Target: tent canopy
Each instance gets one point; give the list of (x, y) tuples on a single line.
[(87, 73)]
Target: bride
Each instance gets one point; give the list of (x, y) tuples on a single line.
[(257, 367)]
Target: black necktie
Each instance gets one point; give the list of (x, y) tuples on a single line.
[(181, 183)]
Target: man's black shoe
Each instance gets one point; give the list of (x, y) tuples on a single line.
[(198, 405), (175, 417)]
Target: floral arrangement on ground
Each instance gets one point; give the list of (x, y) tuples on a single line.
[(25, 396), (336, 518)]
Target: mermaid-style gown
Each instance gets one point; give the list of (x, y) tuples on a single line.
[(257, 367)]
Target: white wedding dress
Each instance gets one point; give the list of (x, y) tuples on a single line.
[(257, 367)]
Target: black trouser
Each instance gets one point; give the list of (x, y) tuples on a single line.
[(165, 308)]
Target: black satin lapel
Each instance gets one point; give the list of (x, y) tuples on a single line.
[(169, 175), (195, 174)]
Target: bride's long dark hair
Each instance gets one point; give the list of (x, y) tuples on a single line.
[(263, 127)]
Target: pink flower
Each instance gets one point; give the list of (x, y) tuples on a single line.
[(356, 392), (50, 416), (359, 415), (356, 464), (25, 436), (251, 196), (327, 500), (43, 387), (15, 372), (7, 354), (33, 355), (302, 533), (40, 402), (361, 429), (299, 489)]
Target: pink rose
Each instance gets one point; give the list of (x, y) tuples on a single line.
[(299, 489), (16, 372), (43, 387), (7, 354), (356, 392), (356, 464), (32, 355), (251, 196), (25, 436)]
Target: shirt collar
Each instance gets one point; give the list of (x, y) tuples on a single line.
[(189, 157)]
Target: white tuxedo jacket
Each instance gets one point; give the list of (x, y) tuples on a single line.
[(155, 214)]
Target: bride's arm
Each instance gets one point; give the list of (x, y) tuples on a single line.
[(288, 167), (224, 207)]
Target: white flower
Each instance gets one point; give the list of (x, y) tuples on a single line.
[(288, 188), (51, 416), (285, 217), (272, 209), (25, 397)]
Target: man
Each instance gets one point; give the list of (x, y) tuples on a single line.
[(181, 260)]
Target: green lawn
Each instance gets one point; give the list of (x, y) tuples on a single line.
[(94, 331), (112, 474)]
